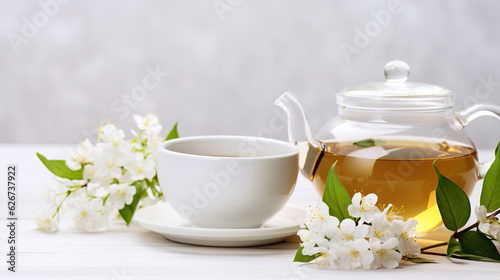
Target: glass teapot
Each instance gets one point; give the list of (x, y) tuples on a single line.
[(385, 139)]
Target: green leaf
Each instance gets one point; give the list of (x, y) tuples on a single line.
[(335, 196), (60, 169), (299, 257), (473, 257), (490, 194), (173, 133), (452, 201), (477, 244), (418, 260), (453, 247), (455, 250), (368, 142), (127, 212)]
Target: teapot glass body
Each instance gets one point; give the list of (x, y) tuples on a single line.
[(392, 153)]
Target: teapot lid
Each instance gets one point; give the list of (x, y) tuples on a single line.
[(396, 93)]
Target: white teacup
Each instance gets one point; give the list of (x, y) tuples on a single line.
[(227, 181)]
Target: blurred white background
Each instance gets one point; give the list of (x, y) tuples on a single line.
[(67, 66)]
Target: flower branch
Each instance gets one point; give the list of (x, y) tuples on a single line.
[(474, 242), (354, 234), (113, 177)]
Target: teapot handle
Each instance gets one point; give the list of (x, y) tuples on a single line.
[(474, 112)]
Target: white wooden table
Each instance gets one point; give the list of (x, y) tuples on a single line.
[(135, 253)]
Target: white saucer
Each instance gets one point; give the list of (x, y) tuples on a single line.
[(161, 218)]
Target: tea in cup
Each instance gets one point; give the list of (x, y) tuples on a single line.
[(227, 181)]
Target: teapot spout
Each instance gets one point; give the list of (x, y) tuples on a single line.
[(299, 134)]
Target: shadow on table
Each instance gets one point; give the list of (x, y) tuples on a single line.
[(163, 244)]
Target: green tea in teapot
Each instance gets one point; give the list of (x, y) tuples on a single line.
[(400, 171)]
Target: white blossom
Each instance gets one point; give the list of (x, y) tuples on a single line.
[(486, 225), (328, 255), (87, 215), (121, 194), (312, 241), (82, 154), (148, 123), (89, 172), (355, 254), (350, 232), (319, 220), (66, 183), (381, 228), (49, 196), (112, 134), (141, 168), (406, 234), (115, 137), (108, 164), (151, 198), (45, 221), (391, 213), (363, 206), (152, 144), (384, 253), (309, 240), (95, 189)]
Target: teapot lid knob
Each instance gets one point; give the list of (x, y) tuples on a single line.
[(396, 71)]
